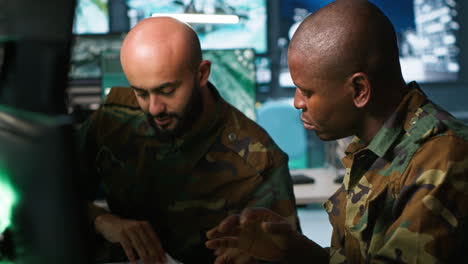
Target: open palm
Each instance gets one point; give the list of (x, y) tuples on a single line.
[(259, 232)]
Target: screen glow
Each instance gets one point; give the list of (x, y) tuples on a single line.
[(427, 32), (8, 199), (248, 31), (201, 18), (91, 17)]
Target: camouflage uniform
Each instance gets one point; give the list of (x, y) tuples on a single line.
[(186, 187), (404, 198)]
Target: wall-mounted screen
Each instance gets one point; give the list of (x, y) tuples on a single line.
[(263, 69), (233, 74), (250, 32), (427, 32), (86, 54), (91, 17)]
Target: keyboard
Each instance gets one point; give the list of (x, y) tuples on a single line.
[(302, 179)]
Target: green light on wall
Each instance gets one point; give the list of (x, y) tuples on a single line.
[(8, 198)]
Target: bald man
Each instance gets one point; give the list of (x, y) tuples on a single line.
[(173, 157), (404, 197)]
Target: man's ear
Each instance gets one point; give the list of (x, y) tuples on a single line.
[(362, 89), (204, 72)]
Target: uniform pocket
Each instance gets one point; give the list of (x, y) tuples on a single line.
[(369, 219)]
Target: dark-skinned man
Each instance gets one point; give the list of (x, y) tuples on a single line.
[(405, 192)]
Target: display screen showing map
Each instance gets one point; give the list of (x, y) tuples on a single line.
[(91, 17)]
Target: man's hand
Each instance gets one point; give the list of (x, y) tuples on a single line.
[(259, 232), (233, 256), (134, 236)]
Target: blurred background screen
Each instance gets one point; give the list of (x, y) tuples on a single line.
[(250, 32), (91, 17), (427, 31), (42, 213)]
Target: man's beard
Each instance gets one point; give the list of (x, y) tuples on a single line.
[(185, 120)]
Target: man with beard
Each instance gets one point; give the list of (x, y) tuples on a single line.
[(174, 158), (404, 196)]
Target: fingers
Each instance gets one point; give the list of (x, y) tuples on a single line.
[(280, 228), (219, 251), (218, 260), (258, 232), (234, 256), (153, 244), (128, 248), (250, 215), (133, 235), (225, 242), (228, 227), (227, 233), (141, 238), (136, 240), (221, 260)]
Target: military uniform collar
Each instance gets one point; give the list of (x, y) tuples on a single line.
[(398, 122)]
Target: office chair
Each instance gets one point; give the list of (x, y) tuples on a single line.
[(282, 121)]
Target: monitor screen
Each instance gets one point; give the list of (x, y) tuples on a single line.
[(250, 32), (86, 54), (427, 31), (233, 74), (263, 70), (91, 17), (42, 212), (40, 204)]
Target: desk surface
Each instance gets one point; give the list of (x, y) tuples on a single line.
[(319, 191)]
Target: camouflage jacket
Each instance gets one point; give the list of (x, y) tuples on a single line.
[(404, 198), (186, 187)]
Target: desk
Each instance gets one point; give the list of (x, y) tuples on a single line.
[(319, 191)]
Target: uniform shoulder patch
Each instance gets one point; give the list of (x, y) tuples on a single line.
[(122, 96)]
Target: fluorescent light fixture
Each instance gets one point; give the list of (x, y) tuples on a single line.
[(201, 18)]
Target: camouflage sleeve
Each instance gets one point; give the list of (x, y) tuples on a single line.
[(430, 210), (274, 189), (276, 193)]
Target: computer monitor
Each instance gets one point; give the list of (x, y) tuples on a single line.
[(41, 207), (42, 215), (91, 17), (428, 35), (250, 32), (86, 54), (233, 73)]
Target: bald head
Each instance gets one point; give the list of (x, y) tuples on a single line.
[(345, 37), (159, 41)]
